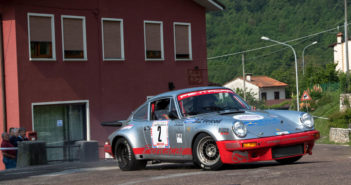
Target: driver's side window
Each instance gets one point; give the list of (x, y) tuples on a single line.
[(163, 109)]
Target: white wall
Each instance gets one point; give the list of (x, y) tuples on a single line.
[(270, 92), (339, 56), (238, 83)]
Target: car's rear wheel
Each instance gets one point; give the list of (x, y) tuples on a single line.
[(125, 157), (288, 160), (206, 153)]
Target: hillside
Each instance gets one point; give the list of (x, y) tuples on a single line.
[(242, 24)]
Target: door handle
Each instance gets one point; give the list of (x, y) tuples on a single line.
[(146, 128)]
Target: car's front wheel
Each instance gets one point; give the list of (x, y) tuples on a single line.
[(206, 153), (288, 160), (125, 156)]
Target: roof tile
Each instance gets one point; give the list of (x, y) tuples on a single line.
[(265, 81)]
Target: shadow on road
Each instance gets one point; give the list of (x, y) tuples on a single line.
[(172, 166)]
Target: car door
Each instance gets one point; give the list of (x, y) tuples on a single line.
[(164, 132)]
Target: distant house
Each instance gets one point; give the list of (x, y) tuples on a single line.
[(263, 88), (339, 53)]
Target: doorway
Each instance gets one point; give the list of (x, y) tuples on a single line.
[(60, 126)]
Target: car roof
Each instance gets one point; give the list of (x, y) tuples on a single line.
[(175, 93)]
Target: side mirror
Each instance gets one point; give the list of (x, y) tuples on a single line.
[(173, 115)]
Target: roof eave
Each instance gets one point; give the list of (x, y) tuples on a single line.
[(211, 5)]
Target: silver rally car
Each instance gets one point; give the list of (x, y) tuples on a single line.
[(210, 126)]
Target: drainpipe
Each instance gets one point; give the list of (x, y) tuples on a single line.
[(2, 64)]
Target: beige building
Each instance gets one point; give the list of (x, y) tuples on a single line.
[(262, 87), (340, 53)]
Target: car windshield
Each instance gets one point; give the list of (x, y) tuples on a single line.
[(206, 101)]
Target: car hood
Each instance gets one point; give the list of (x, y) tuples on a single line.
[(258, 123)]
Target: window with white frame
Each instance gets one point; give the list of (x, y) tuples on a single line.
[(182, 41), (112, 39), (74, 45), (41, 36), (153, 35)]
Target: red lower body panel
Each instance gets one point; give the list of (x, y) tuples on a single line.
[(260, 149), (108, 149)]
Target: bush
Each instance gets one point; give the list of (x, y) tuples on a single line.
[(250, 99), (344, 83), (340, 119)]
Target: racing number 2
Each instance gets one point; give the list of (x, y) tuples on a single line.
[(159, 134)]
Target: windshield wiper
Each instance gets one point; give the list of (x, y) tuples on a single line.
[(230, 111)]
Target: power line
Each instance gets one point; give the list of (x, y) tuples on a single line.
[(264, 47), (276, 51)]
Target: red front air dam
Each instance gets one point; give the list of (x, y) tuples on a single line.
[(234, 151)]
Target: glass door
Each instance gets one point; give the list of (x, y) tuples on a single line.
[(60, 126)]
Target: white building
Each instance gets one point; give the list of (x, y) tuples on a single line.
[(262, 87), (340, 53)]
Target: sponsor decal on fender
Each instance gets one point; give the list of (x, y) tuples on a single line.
[(166, 151), (223, 131), (205, 121)]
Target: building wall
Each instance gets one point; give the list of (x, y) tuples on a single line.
[(113, 88), (238, 83), (270, 92), (340, 56), (11, 71)]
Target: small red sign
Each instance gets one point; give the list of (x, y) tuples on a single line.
[(305, 96), (195, 77)]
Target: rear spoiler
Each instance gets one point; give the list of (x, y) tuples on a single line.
[(113, 123)]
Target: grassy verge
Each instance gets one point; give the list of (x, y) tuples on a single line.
[(328, 105)]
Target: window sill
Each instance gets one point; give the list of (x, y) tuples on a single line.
[(184, 59), (76, 60), (155, 59), (42, 59), (118, 60)]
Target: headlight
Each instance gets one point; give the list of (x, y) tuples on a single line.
[(307, 120), (239, 129)]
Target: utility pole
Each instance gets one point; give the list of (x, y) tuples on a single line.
[(346, 41), (243, 63)]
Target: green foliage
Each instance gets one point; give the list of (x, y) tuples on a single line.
[(250, 99), (242, 24), (328, 104), (340, 119), (345, 86), (277, 106)]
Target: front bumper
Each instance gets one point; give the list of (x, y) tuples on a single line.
[(260, 149)]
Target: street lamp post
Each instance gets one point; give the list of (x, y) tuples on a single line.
[(303, 56), (297, 78)]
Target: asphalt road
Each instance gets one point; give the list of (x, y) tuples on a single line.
[(329, 164)]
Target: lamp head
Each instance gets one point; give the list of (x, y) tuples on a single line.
[(315, 42)]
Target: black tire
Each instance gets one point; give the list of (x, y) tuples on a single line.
[(125, 157), (206, 153), (288, 160)]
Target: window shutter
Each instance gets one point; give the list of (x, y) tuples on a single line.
[(153, 36), (182, 39), (73, 34), (112, 39), (40, 28)]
